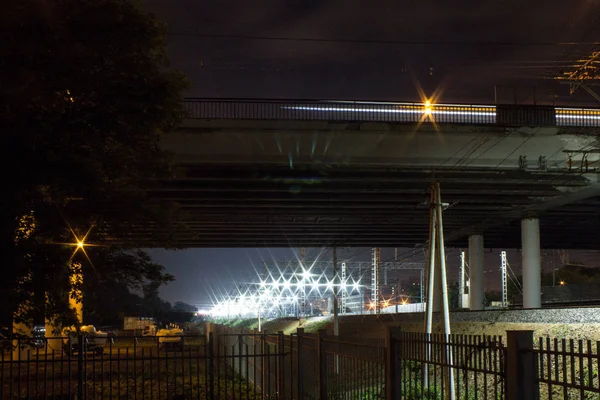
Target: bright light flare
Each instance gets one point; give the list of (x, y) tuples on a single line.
[(428, 109)]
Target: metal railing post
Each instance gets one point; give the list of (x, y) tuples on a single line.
[(211, 367), (300, 333), (521, 367), (280, 384), (322, 365), (81, 368), (392, 378), (263, 365)]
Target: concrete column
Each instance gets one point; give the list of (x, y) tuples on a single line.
[(476, 294), (532, 266)]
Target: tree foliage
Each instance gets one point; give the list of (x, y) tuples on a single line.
[(86, 95), (180, 306)]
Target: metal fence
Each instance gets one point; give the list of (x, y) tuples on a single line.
[(110, 368), (314, 366), (351, 370), (185, 367), (254, 365), (250, 365), (350, 111), (423, 365), (568, 369)]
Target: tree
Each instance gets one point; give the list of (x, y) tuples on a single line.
[(110, 291), (180, 306), (86, 95)]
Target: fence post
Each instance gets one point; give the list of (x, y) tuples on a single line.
[(521, 367), (280, 369), (392, 379), (322, 364), (300, 333), (80, 367), (211, 367), (264, 389)]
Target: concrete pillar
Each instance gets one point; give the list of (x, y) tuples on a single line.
[(532, 266), (476, 278)]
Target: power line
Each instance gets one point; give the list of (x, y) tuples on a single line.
[(375, 41)]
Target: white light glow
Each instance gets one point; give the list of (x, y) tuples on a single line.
[(408, 110)]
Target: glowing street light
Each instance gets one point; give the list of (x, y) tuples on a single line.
[(428, 108)]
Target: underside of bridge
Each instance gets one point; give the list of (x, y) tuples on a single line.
[(306, 183), (255, 206)]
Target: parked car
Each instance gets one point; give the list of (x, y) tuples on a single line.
[(94, 341), (170, 338)]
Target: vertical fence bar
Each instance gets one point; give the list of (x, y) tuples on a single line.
[(254, 368), (240, 371), (268, 369), (263, 366), (247, 371), (280, 366), (211, 367), (322, 365), (80, 367), (563, 347), (299, 335)]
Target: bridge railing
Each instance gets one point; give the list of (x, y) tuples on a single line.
[(337, 111), (351, 111)]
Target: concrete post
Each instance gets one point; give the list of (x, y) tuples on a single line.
[(476, 278), (532, 268), (521, 366)]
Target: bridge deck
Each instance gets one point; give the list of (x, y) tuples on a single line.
[(304, 174)]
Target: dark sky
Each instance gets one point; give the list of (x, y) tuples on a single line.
[(363, 50), (470, 45)]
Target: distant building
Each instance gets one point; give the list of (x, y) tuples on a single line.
[(137, 323)]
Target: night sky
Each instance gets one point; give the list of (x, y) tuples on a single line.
[(363, 50)]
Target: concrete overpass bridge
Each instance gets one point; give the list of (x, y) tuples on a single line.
[(317, 173)]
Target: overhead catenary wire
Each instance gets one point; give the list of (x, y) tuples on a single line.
[(374, 41)]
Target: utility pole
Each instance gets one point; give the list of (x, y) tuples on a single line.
[(437, 252), (461, 280), (344, 291), (397, 293), (336, 322), (375, 274), (503, 264)]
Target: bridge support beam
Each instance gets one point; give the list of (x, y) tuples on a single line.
[(532, 267), (476, 271)]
